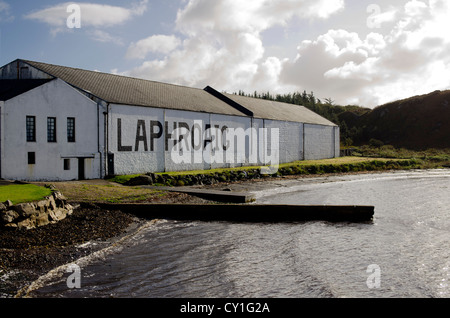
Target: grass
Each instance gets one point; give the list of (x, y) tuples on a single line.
[(335, 165), (341, 160), (364, 159), (22, 193), (79, 192)]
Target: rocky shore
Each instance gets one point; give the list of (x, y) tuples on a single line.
[(25, 255)]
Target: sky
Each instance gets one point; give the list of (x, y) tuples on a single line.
[(365, 52)]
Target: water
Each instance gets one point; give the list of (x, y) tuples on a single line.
[(408, 241)]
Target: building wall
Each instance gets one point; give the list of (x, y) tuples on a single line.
[(54, 99), (290, 139), (320, 142), (337, 142), (146, 139), (21, 70)]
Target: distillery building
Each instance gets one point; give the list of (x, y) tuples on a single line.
[(63, 123)]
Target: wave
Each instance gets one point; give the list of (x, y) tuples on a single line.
[(58, 272)]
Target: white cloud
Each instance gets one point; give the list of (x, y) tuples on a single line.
[(105, 37), (153, 44), (222, 43), (92, 15), (412, 59)]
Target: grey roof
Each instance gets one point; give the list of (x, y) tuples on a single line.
[(124, 90), (268, 109)]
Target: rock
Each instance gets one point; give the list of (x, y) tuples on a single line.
[(42, 219), (51, 203), (27, 224), (140, 180), (159, 179), (60, 199), (57, 214), (26, 210), (27, 216), (42, 205), (9, 216), (151, 175), (69, 209)]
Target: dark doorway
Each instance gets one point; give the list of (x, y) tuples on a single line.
[(81, 175), (111, 164)]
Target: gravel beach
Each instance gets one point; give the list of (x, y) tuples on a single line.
[(25, 255)]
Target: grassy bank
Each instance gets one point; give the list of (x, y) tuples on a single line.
[(309, 167), (22, 193), (107, 193)]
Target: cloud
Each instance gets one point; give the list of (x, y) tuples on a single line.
[(222, 44), (153, 44), (409, 60), (5, 12), (92, 15), (105, 37)]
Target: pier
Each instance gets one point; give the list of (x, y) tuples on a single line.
[(253, 213)]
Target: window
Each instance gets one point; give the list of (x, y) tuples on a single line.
[(31, 158), (31, 128), (66, 164), (51, 129), (70, 129)]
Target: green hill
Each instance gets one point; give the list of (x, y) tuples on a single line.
[(416, 123), (419, 122)]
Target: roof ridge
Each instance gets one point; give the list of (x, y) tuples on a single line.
[(108, 74)]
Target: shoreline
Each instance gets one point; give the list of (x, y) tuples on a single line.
[(25, 258), (26, 255)]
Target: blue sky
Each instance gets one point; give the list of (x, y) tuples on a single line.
[(365, 52)]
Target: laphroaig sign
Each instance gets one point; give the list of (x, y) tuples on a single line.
[(200, 142)]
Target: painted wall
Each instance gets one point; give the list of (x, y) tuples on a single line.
[(320, 142), (54, 99), (337, 142), (146, 139), (290, 139)]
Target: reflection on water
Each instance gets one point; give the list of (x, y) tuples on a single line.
[(408, 241)]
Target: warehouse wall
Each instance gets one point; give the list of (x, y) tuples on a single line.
[(54, 99), (146, 139), (290, 139), (320, 142)]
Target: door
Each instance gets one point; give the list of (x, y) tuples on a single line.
[(111, 164), (81, 175)]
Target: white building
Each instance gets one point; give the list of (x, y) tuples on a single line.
[(61, 123)]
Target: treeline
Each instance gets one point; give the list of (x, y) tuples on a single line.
[(326, 108)]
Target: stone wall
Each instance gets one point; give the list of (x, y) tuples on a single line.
[(51, 209)]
